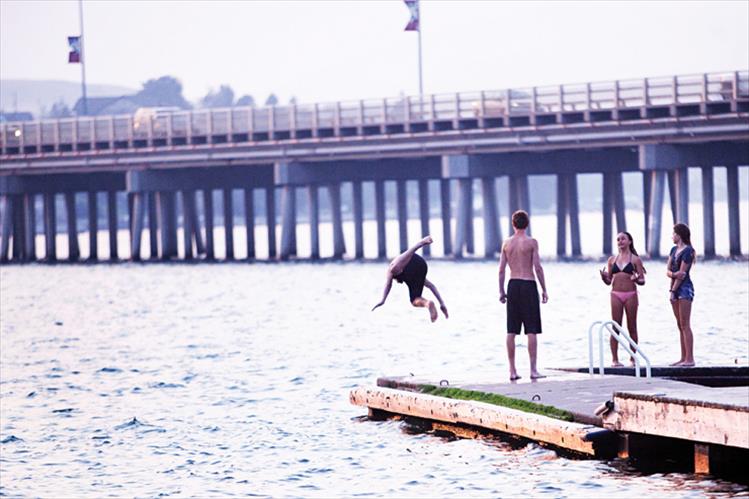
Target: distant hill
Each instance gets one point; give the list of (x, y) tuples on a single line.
[(37, 96)]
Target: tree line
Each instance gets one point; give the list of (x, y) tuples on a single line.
[(166, 91)]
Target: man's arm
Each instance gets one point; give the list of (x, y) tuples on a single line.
[(386, 291), (436, 294), (502, 266), (539, 272)]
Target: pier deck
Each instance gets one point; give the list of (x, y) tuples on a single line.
[(646, 407)]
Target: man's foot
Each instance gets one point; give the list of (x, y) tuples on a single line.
[(537, 375), (433, 311), (687, 364), (616, 363), (514, 377), (677, 364)]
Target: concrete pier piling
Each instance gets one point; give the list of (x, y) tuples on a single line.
[(270, 220), (249, 220), (380, 216), (228, 223), (446, 218), (339, 245), (111, 224), (288, 221), (137, 223), (424, 213), (6, 225), (208, 217), (561, 215), (314, 221), (358, 209), (29, 210), (93, 226), (492, 238), (708, 212), (72, 222), (153, 226), (657, 187), (734, 227), (400, 191)]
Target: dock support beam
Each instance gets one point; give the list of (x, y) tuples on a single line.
[(73, 251), (701, 458), (93, 227), (608, 195), (734, 229), (249, 222), (314, 221), (678, 189), (646, 190), (402, 215), (424, 213), (708, 211), (619, 207), (492, 238), (229, 224), (168, 223), (19, 229), (188, 222), (358, 220), (380, 214), (111, 223), (210, 253)]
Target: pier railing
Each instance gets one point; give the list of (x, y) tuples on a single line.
[(621, 100)]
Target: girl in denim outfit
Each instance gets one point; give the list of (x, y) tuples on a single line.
[(680, 262)]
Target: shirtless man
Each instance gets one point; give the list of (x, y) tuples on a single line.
[(521, 253), (411, 269)]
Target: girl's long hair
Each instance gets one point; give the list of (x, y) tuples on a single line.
[(686, 237)]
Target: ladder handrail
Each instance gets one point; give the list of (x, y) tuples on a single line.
[(621, 335)]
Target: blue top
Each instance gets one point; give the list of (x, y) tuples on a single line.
[(686, 256)]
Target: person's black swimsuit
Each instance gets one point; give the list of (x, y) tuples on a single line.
[(414, 276), (628, 269)]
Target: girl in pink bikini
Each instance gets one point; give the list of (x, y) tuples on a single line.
[(624, 272)]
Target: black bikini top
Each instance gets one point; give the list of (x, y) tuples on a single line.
[(628, 269)]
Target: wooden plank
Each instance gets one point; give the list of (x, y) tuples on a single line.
[(709, 415), (573, 436), (701, 459)]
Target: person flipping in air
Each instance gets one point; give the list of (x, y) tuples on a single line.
[(411, 269)]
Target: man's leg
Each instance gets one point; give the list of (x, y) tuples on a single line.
[(423, 302), (511, 356), (533, 353), (399, 262)]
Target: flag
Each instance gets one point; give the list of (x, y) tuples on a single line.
[(74, 42), (413, 8)]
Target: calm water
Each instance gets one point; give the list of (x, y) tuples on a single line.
[(233, 379)]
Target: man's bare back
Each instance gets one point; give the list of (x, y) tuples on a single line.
[(519, 250)]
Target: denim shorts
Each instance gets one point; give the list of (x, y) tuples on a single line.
[(685, 291)]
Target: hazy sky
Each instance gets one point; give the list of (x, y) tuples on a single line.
[(349, 49)]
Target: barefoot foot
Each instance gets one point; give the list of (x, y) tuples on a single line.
[(433, 311), (514, 377), (537, 375), (616, 363), (677, 364)]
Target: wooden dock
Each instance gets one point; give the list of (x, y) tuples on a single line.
[(568, 410)]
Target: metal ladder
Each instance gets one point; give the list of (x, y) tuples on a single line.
[(621, 335)]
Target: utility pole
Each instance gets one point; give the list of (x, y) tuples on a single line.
[(83, 59)]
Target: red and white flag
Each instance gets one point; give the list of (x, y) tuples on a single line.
[(74, 56), (413, 8)]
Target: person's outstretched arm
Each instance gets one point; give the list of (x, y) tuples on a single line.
[(502, 267), (386, 291), (436, 294), (539, 272)]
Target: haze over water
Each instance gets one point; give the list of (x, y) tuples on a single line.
[(233, 379)]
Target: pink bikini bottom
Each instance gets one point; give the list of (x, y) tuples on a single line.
[(623, 296)]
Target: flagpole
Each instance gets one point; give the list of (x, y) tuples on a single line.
[(421, 83), (83, 59)]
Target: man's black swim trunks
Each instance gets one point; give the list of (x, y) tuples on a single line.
[(523, 307), (414, 276)]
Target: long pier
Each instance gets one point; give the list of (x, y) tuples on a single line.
[(270, 164), (595, 416)]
